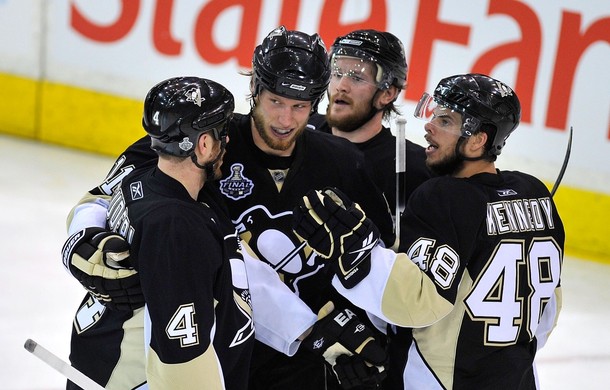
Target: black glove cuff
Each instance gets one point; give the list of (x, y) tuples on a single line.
[(356, 275)]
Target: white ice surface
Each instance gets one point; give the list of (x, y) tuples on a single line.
[(40, 183)]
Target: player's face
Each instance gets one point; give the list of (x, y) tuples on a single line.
[(442, 134), (278, 122), (351, 92)]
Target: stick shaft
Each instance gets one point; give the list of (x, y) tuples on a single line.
[(566, 159), (64, 368), (401, 169)]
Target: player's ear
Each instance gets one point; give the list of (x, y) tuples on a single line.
[(387, 96), (204, 144), (476, 143)]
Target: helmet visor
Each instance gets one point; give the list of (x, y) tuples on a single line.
[(446, 116), (359, 71)]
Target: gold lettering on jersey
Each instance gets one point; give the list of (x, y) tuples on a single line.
[(118, 219), (519, 215)]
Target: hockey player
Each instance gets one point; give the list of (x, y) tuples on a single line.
[(368, 72), (475, 287), (198, 318), (270, 163)]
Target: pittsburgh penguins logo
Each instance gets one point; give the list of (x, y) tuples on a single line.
[(504, 89), (270, 237)]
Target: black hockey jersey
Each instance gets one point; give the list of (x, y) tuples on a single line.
[(319, 160), (201, 328), (380, 155), (476, 285), (262, 213), (108, 345), (117, 336), (262, 190)]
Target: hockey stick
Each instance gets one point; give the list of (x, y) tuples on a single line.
[(401, 180), (564, 165), (64, 368)]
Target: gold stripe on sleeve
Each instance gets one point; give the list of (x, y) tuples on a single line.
[(410, 298)]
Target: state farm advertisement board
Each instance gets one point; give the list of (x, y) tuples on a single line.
[(555, 53)]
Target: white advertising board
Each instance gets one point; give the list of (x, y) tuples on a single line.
[(555, 53)]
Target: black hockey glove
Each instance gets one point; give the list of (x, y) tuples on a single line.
[(348, 346), (353, 371), (99, 260), (336, 228)]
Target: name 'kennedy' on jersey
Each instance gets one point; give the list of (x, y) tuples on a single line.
[(118, 219), (519, 215)]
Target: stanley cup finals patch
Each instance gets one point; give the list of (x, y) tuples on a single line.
[(236, 186)]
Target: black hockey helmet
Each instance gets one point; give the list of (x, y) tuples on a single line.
[(291, 64), (380, 47), (486, 104), (178, 110)]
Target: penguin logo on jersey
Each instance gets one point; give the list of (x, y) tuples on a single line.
[(270, 236), (236, 186)]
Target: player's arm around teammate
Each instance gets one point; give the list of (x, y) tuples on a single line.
[(279, 315)]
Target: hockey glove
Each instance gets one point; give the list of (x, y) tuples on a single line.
[(348, 346), (353, 371), (336, 228), (99, 260)]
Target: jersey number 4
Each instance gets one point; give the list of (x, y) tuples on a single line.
[(182, 326), (503, 300)]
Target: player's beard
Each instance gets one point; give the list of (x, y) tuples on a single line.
[(212, 169), (263, 128), (447, 165), (359, 116)]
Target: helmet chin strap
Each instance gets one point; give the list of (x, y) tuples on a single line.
[(253, 103), (472, 158), (209, 167)]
